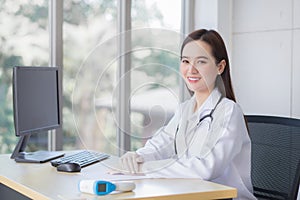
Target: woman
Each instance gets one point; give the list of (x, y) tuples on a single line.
[(207, 138)]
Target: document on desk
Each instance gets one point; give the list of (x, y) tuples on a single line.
[(120, 176), (114, 171)]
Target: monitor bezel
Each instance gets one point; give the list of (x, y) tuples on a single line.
[(19, 154), (17, 69)]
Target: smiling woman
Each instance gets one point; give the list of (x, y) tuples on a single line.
[(207, 137), (198, 67)]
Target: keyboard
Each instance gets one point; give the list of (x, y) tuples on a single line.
[(83, 158)]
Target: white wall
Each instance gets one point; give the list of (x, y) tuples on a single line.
[(296, 59), (263, 39), (265, 68)]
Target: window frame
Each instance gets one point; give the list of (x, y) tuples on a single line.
[(55, 138)]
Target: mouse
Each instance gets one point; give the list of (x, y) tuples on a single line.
[(69, 167)]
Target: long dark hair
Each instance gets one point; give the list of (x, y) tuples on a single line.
[(219, 51), (215, 41)]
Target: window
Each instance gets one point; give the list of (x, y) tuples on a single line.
[(24, 40), (90, 67), (87, 28), (154, 66)]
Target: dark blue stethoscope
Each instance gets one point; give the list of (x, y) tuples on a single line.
[(209, 115)]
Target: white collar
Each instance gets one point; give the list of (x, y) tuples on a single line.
[(208, 105)]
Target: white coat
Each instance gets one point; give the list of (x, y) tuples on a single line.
[(218, 149)]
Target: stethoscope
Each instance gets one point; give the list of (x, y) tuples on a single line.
[(209, 115)]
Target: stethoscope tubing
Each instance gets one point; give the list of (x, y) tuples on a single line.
[(199, 122)]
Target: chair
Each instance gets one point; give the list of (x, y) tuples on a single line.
[(275, 156)]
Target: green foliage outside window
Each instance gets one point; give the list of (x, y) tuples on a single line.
[(24, 40)]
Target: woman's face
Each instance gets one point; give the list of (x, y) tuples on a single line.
[(198, 67)]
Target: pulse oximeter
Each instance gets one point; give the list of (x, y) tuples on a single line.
[(102, 187)]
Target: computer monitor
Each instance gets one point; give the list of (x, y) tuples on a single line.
[(36, 105)]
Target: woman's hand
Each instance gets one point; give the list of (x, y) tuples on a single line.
[(131, 162)]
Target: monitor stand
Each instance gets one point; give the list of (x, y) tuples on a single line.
[(20, 155)]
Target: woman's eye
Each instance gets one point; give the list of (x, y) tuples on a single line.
[(201, 62), (185, 61)]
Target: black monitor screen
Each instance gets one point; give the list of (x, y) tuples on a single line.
[(36, 99)]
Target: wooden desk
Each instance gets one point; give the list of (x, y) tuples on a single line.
[(42, 181)]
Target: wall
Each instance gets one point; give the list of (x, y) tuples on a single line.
[(263, 39), (265, 56), (265, 66)]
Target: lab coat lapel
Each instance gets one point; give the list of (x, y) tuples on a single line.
[(200, 139), (205, 109), (196, 141), (196, 134), (215, 131), (180, 139), (181, 134)]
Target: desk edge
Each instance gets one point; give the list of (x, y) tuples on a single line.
[(21, 189)]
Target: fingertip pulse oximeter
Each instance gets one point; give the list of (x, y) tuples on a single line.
[(102, 187)]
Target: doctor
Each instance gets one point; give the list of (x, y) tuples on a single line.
[(207, 137)]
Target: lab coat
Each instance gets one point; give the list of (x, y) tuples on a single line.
[(217, 149)]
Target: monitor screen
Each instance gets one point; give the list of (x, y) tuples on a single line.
[(36, 99)]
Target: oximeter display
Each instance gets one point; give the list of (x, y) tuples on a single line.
[(102, 187)]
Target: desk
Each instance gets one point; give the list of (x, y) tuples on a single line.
[(42, 181)]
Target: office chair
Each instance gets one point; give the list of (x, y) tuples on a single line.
[(275, 156)]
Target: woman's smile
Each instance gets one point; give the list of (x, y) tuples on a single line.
[(193, 79)]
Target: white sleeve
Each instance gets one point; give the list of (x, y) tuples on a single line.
[(161, 145), (213, 164)]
